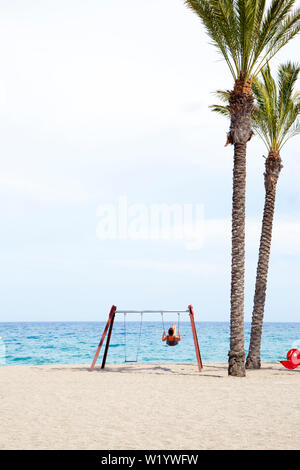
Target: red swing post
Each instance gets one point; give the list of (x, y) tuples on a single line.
[(196, 343), (109, 324)]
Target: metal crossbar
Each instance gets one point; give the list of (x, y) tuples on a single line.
[(152, 311)]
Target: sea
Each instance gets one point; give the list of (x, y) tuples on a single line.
[(76, 342)]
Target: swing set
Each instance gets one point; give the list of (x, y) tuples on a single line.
[(110, 323)]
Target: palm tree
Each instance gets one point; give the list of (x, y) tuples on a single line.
[(247, 34), (275, 120)]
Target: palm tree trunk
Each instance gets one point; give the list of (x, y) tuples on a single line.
[(236, 353), (273, 168), (241, 109)]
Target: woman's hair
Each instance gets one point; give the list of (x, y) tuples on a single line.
[(171, 331)]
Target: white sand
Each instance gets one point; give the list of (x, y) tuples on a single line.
[(166, 406)]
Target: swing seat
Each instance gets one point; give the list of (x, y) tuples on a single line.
[(172, 343)]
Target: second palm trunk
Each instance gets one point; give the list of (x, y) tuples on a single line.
[(273, 168)]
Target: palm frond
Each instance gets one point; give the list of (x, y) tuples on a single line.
[(212, 14), (293, 131), (222, 95), (217, 108), (247, 32), (283, 33), (287, 78)]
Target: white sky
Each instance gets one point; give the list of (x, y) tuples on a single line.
[(106, 98)]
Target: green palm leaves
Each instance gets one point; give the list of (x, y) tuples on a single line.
[(276, 118), (277, 110), (246, 32)]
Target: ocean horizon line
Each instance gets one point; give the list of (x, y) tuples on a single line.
[(134, 321)]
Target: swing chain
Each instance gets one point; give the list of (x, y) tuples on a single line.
[(125, 333), (162, 319), (163, 323), (139, 341), (140, 334)]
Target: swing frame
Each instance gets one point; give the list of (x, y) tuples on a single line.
[(110, 323)]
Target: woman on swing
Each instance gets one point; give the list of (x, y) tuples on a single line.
[(171, 338)]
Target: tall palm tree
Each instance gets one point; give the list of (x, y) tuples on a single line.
[(275, 120), (248, 34)]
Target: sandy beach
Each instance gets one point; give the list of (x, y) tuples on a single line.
[(148, 406)]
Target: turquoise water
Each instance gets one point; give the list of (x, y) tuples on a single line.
[(76, 342)]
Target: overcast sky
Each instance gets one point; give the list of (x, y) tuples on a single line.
[(108, 98)]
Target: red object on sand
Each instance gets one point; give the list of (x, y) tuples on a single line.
[(290, 353), (293, 359)]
